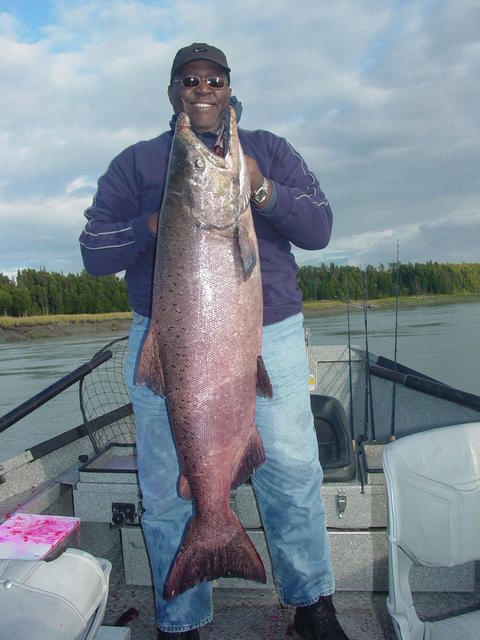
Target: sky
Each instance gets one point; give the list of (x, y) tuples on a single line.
[(380, 97)]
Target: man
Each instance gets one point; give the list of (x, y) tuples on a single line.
[(288, 207)]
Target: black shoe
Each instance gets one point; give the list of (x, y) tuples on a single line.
[(318, 621), (183, 635)]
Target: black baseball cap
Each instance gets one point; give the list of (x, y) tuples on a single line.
[(199, 51)]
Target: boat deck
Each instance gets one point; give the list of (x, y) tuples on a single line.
[(257, 614)]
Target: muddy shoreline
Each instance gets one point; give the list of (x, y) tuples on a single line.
[(21, 333)]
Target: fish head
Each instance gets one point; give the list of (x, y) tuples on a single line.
[(215, 190)]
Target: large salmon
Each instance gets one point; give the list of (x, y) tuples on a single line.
[(203, 349)]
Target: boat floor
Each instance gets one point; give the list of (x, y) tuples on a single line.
[(257, 614)]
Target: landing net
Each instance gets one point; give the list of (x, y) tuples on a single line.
[(104, 400)]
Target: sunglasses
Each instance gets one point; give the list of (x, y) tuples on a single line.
[(214, 82)]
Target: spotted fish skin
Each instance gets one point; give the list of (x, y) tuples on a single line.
[(203, 349)]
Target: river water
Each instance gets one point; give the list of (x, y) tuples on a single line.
[(441, 341)]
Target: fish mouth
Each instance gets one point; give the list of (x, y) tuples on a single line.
[(230, 142), (235, 191)]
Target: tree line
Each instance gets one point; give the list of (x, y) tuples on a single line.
[(43, 293), (328, 282)]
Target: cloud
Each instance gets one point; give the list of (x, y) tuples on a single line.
[(417, 243), (42, 233), (379, 97), (80, 184)]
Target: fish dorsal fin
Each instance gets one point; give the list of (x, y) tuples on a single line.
[(149, 369)]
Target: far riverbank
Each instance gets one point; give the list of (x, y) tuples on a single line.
[(54, 326), (41, 327), (312, 308)]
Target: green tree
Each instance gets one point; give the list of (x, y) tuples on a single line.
[(22, 302), (6, 299)]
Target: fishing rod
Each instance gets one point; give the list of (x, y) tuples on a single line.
[(357, 444), (394, 390), (368, 381), (352, 430)]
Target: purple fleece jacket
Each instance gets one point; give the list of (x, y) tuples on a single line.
[(116, 236)]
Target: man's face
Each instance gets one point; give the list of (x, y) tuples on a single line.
[(203, 104)]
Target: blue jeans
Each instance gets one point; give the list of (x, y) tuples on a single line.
[(287, 486)]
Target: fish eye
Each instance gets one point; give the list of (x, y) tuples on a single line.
[(200, 163)]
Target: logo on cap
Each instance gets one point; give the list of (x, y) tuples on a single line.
[(199, 50)]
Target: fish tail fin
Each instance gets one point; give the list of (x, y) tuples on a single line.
[(253, 456), (228, 554), (149, 368)]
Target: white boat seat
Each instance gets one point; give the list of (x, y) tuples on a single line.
[(433, 497), (61, 599)]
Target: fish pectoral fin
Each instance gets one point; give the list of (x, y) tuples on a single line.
[(264, 386), (149, 369), (252, 457), (184, 489), (247, 245)]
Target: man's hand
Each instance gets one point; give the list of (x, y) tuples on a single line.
[(153, 223), (256, 179), (256, 176)]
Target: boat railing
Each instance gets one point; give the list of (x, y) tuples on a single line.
[(103, 396), (413, 380), (36, 401)]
